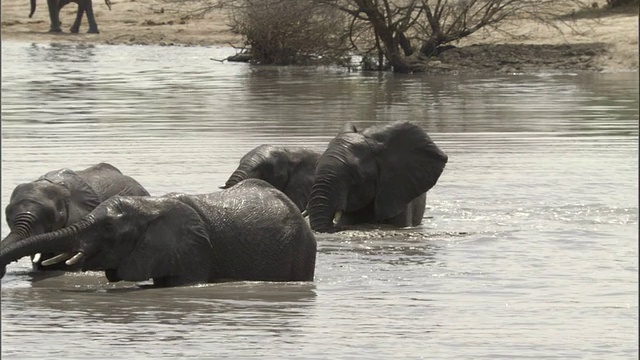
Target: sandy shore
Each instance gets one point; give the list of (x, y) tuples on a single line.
[(597, 40)]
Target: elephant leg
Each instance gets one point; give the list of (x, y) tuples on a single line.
[(53, 16), (76, 24), (401, 220), (93, 26), (418, 206)]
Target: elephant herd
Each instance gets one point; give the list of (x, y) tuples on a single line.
[(255, 228)]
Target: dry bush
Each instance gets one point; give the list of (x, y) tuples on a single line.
[(404, 30), (285, 32), (396, 34)]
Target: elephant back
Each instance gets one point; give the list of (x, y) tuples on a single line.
[(241, 220), (107, 181)]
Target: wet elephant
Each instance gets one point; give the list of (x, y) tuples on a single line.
[(377, 175), (59, 199), (289, 170), (250, 231)]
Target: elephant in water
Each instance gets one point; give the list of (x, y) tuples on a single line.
[(378, 175), (83, 6), (59, 199), (250, 231), (289, 170)]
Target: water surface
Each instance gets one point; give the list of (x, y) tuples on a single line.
[(528, 248)]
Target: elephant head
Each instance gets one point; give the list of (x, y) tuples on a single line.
[(289, 170), (43, 205), (371, 176), (60, 198), (127, 238)]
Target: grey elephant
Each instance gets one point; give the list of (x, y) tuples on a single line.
[(84, 6), (60, 198), (251, 231), (379, 175), (289, 170)]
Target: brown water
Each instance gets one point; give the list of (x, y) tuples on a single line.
[(528, 248)]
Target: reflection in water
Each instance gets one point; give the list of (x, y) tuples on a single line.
[(530, 233), (99, 299), (186, 317), (67, 54)]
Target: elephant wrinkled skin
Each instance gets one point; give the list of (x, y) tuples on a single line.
[(59, 199), (379, 176), (250, 231), (289, 170)]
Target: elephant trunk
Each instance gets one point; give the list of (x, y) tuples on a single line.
[(55, 242), (324, 206), (33, 8), (330, 188), (22, 227), (237, 176), (12, 238)]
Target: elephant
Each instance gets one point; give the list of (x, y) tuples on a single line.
[(60, 198), (379, 175), (83, 6), (249, 232), (289, 170)]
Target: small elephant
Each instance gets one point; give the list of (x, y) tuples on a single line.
[(289, 170), (379, 175), (83, 6), (60, 198), (251, 231)]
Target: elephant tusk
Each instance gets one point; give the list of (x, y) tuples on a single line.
[(56, 259), (77, 257), (305, 213), (36, 258), (336, 218)]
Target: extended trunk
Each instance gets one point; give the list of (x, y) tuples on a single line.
[(54, 242), (12, 238)]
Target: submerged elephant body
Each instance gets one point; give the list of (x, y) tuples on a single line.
[(378, 176), (290, 170), (61, 198), (248, 232)]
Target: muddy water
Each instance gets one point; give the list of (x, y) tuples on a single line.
[(528, 247)]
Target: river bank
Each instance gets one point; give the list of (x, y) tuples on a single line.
[(595, 39)]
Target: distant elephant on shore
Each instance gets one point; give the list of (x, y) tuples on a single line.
[(250, 231), (379, 175), (61, 198), (289, 170), (83, 6)]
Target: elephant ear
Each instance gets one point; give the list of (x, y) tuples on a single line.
[(170, 246), (82, 198), (409, 164)]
